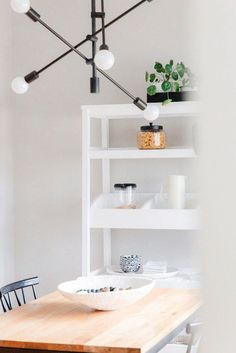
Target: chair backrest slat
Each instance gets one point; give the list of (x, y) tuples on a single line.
[(3, 306), (23, 295), (5, 292), (17, 298), (34, 293), (8, 301)]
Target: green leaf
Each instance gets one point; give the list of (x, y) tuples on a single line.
[(152, 77), (167, 101), (176, 86), (166, 86), (146, 76), (171, 62), (180, 70), (158, 67), (175, 75), (151, 90), (168, 69)]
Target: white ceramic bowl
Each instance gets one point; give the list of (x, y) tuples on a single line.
[(106, 300)]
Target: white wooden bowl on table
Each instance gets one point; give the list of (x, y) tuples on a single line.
[(106, 300)]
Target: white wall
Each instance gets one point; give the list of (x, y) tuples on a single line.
[(218, 166), (6, 165), (47, 131)]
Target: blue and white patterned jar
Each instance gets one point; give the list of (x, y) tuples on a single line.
[(130, 263)]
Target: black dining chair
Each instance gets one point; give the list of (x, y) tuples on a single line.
[(15, 293)]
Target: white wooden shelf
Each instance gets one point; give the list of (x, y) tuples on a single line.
[(135, 153), (144, 219), (130, 111), (149, 214)]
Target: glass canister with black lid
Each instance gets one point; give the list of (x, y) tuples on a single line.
[(151, 137), (125, 195)]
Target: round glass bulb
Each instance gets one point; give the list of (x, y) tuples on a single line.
[(151, 113), (19, 85), (104, 59), (20, 6)]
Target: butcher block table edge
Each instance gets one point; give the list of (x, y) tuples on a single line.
[(77, 349), (74, 348)]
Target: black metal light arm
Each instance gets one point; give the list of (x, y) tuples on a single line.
[(29, 78), (88, 38), (94, 80), (104, 46)]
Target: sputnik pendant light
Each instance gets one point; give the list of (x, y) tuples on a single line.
[(100, 61)]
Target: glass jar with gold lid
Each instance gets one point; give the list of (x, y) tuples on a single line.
[(151, 137)]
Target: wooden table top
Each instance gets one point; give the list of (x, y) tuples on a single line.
[(54, 323)]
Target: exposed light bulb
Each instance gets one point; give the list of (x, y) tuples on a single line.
[(104, 59), (20, 6), (151, 113), (19, 85)]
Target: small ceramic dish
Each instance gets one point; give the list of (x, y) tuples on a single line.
[(130, 263)]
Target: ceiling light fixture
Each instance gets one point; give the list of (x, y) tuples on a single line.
[(100, 61)]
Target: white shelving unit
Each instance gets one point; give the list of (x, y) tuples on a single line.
[(134, 153), (150, 213)]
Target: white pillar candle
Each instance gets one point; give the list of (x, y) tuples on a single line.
[(176, 191)]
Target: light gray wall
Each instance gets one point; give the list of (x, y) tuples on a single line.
[(6, 163), (47, 132), (218, 172)]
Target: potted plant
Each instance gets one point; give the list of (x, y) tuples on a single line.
[(170, 83)]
